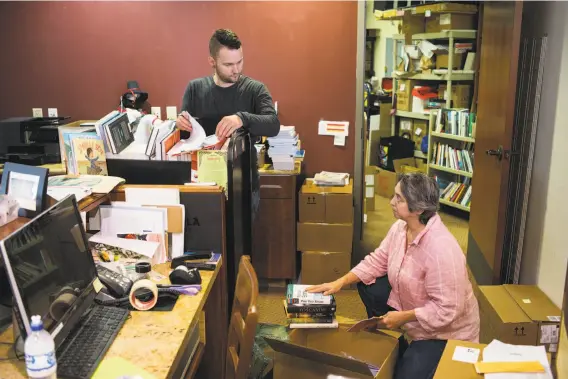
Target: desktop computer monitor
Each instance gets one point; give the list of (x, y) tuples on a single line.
[(51, 270)]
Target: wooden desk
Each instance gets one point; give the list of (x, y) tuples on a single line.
[(274, 235), (158, 341)]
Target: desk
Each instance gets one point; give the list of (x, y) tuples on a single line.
[(158, 341), (274, 233)]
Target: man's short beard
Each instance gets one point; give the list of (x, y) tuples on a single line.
[(225, 79)]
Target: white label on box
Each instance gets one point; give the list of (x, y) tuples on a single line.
[(466, 354), (428, 13), (402, 87), (445, 19), (339, 140), (365, 217), (553, 348), (405, 124), (370, 180), (418, 131), (369, 192), (549, 333), (527, 301), (554, 318)]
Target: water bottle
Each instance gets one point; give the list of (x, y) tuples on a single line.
[(39, 349)]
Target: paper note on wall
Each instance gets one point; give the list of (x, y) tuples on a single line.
[(333, 128), (339, 140)]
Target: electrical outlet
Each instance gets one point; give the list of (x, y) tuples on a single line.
[(51, 112), (171, 113), (157, 111), (37, 112)]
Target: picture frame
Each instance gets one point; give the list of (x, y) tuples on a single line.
[(28, 185)]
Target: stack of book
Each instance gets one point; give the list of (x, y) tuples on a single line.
[(309, 310), (326, 178), (283, 148)]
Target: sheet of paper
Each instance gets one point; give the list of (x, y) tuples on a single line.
[(498, 351), (212, 167), (59, 193), (118, 219), (194, 142), (154, 196), (466, 354), (333, 128), (339, 140), (370, 192), (23, 188)]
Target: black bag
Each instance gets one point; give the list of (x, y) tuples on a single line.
[(391, 148)]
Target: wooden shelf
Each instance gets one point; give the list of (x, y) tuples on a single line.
[(451, 170), (446, 34), (442, 77), (455, 205), (414, 115), (453, 137)]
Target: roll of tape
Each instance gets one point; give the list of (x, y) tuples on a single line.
[(142, 286)]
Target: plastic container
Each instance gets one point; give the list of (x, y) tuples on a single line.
[(39, 350)]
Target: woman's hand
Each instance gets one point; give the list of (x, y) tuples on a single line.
[(326, 288), (395, 319)]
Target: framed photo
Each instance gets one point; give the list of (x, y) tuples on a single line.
[(28, 185)]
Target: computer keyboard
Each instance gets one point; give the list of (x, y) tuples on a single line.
[(84, 348)]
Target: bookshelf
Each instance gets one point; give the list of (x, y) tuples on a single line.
[(449, 77), (450, 156)]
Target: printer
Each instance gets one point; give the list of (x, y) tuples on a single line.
[(30, 140)]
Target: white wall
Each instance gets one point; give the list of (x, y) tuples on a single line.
[(386, 29), (545, 252)]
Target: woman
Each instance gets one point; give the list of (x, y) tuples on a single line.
[(423, 286)]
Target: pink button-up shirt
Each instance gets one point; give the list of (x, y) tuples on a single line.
[(429, 277)]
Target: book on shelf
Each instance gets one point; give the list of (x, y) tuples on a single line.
[(456, 192), (457, 122), (457, 159)]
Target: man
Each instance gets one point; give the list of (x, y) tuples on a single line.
[(228, 100)]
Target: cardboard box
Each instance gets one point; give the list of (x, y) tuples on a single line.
[(325, 237), (519, 315), (450, 21), (333, 205), (443, 61), (334, 353), (502, 319), (404, 95), (460, 97), (324, 267), (411, 25), (419, 131), (542, 312), (448, 368)]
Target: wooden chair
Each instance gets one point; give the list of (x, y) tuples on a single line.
[(244, 318)]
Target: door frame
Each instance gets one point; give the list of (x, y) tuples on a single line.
[(358, 186)]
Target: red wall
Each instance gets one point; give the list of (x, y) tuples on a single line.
[(77, 57)]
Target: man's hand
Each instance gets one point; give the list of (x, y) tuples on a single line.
[(326, 288), (183, 123), (395, 319), (227, 126)]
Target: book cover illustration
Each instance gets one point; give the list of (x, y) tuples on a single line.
[(66, 150), (89, 156)]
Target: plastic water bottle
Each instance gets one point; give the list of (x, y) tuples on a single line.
[(39, 349)]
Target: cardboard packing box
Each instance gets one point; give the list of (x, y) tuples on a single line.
[(324, 267), (371, 173), (333, 205), (443, 60), (334, 353), (519, 315), (419, 131), (460, 97), (448, 368), (404, 95), (450, 21), (325, 237)]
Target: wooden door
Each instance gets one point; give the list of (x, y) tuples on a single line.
[(500, 41)]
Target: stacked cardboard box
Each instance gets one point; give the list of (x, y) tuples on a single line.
[(386, 180), (519, 315), (325, 231), (370, 187)]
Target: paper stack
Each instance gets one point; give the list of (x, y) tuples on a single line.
[(283, 148), (309, 310), (326, 178)]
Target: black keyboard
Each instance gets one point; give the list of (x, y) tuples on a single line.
[(84, 348)]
